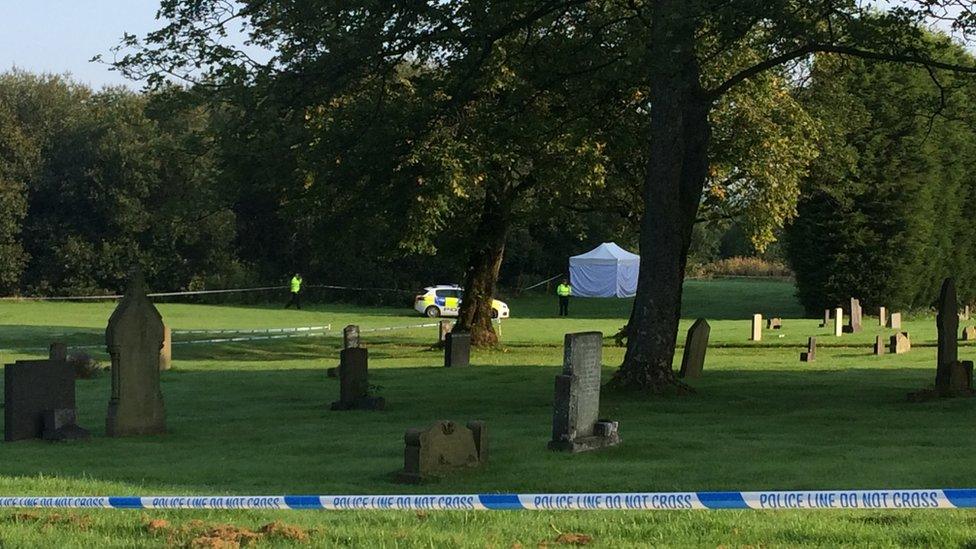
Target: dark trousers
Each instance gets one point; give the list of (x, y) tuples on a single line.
[(563, 305), (296, 300)]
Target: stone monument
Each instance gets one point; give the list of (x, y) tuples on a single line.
[(879, 345), (856, 317), (900, 343), (576, 423), (952, 377), (894, 321), (969, 333), (826, 319), (838, 321), (354, 382), (166, 352), (775, 323), (811, 353), (442, 448), (756, 328), (457, 350), (134, 338), (350, 337), (882, 316), (32, 390), (444, 327), (696, 343)]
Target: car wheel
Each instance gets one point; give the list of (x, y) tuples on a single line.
[(494, 313), (432, 312)]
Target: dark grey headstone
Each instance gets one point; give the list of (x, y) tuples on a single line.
[(576, 406), (350, 336), (30, 388), (354, 382), (134, 338), (457, 350), (811, 353), (696, 343)]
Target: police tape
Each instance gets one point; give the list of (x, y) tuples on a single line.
[(253, 338), (255, 331), (631, 501), (156, 294), (394, 328)]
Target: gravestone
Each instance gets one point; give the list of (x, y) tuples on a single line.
[(882, 316), (774, 323), (756, 328), (838, 321), (900, 343), (952, 377), (964, 315), (894, 321), (444, 327), (58, 351), (457, 350), (61, 425), (696, 343), (166, 352), (134, 338), (879, 346), (442, 448), (856, 317), (811, 353), (826, 319), (31, 389), (350, 337), (969, 333), (576, 423), (354, 382)]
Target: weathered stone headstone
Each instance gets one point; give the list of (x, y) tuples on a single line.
[(31, 388), (133, 338), (882, 316), (354, 382), (442, 448), (826, 319), (350, 337), (969, 333), (838, 321), (756, 328), (894, 321), (855, 318), (964, 315), (900, 343), (696, 343), (444, 327), (879, 345), (457, 350), (947, 324), (774, 323), (952, 377), (811, 353), (166, 352), (576, 423)]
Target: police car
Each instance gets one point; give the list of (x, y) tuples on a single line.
[(445, 300)]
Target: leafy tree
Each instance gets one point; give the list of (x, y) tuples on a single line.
[(884, 215), (690, 55)]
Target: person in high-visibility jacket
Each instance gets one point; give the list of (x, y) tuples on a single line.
[(296, 292), (563, 291)]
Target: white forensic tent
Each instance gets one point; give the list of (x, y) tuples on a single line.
[(605, 271)]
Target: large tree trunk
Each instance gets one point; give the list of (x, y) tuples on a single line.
[(484, 261), (672, 191)]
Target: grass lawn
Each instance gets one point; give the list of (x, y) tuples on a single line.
[(253, 418)]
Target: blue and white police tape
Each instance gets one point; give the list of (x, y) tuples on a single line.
[(633, 501)]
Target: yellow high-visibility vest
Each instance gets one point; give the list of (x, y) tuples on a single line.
[(564, 290), (296, 284)]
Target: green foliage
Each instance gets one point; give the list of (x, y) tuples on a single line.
[(885, 212), (108, 179)]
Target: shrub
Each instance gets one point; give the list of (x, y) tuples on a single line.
[(84, 365), (741, 266)]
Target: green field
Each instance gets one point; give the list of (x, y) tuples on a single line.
[(253, 418)]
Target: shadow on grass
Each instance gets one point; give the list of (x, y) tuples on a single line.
[(271, 431)]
